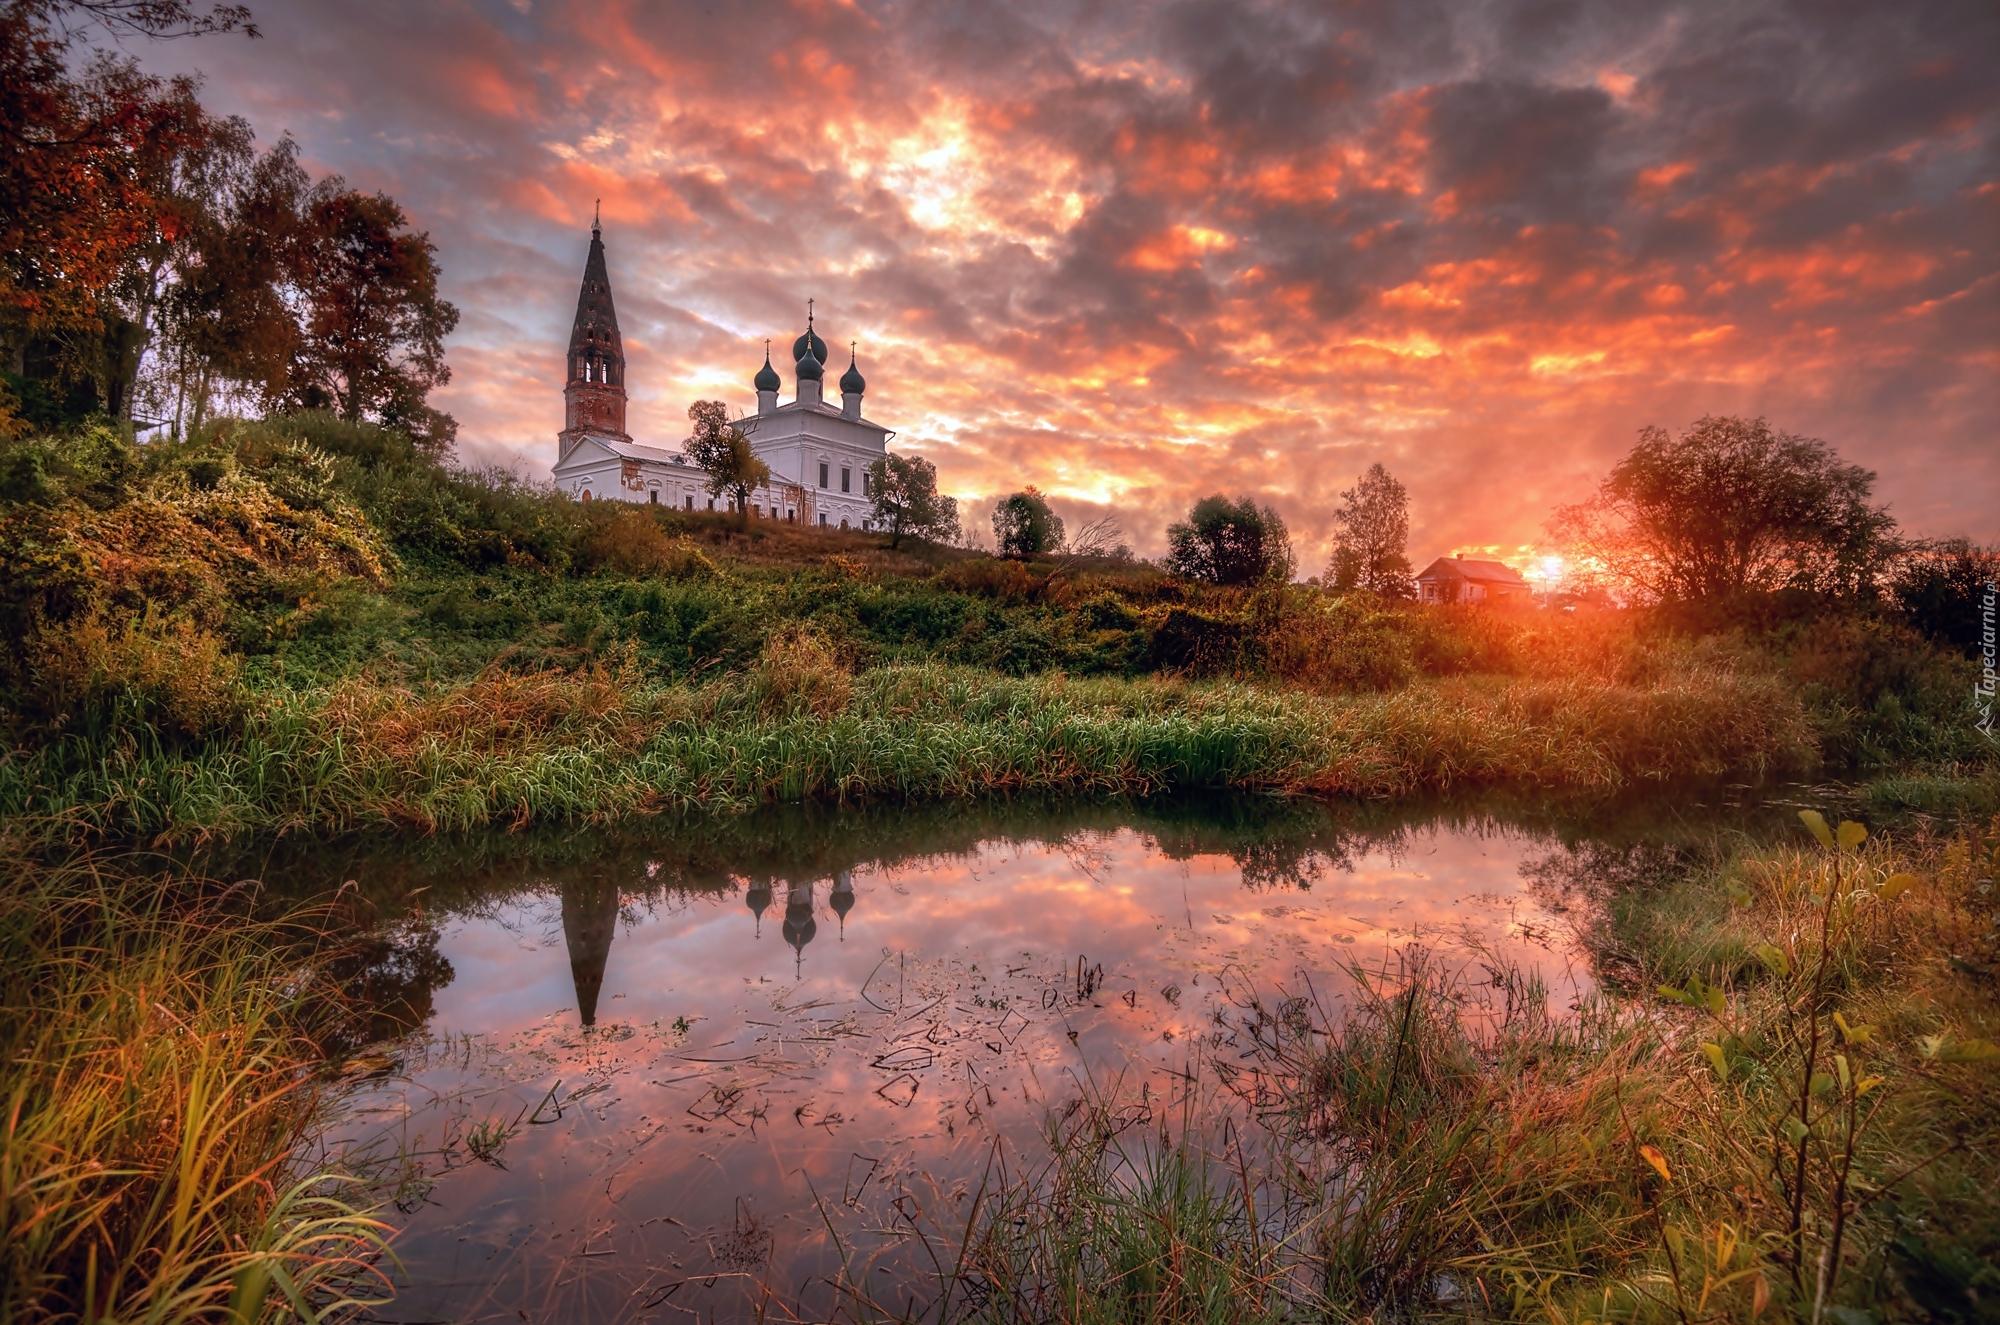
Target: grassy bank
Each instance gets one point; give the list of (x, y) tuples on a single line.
[(159, 1061), (302, 624), (1792, 1117), (600, 744)]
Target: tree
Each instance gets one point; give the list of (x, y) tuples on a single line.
[(1727, 508), (1227, 542), (87, 146), (907, 500), (719, 449), (1942, 587), (1372, 526), (226, 323), (1024, 526), (372, 329)]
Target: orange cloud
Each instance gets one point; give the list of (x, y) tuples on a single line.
[(1141, 254)]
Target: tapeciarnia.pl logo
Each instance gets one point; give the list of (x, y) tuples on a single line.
[(1982, 690)]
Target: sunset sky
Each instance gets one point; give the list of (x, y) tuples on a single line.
[(1136, 253)]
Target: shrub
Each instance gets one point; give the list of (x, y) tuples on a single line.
[(989, 576), (800, 675), (105, 678), (1195, 644), (1333, 645), (628, 540), (94, 465)]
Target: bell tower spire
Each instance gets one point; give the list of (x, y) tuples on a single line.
[(594, 385)]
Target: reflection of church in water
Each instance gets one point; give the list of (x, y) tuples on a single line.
[(590, 918)]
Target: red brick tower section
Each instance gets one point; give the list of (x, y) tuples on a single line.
[(594, 394)]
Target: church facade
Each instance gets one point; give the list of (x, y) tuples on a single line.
[(818, 453)]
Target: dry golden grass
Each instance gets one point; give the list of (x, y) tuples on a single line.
[(158, 1073)]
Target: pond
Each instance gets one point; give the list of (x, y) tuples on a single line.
[(717, 1065)]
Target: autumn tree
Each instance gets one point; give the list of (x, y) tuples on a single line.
[(1024, 526), (1372, 529), (87, 143), (372, 324), (1227, 542), (719, 449), (907, 500), (1727, 508), (227, 326)]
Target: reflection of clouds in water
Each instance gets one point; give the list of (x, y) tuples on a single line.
[(946, 1011)]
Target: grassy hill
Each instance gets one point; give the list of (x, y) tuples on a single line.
[(300, 623)]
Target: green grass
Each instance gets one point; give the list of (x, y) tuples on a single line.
[(157, 1066), (302, 624), (1444, 1146), (512, 749)]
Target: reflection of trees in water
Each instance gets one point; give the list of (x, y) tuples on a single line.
[(1579, 881), (1278, 845), (390, 973)]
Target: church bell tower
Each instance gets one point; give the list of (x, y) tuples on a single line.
[(594, 393)]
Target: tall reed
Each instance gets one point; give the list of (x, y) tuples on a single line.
[(158, 1072)]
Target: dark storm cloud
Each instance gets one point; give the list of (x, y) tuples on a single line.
[(1139, 252)]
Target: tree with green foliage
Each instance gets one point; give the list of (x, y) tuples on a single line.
[(1227, 542), (1942, 587), (907, 500), (1024, 526), (719, 449), (1372, 528), (1728, 508)]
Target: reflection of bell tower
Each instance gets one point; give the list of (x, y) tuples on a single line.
[(842, 899), (594, 385), (589, 915), (799, 924), (757, 897)]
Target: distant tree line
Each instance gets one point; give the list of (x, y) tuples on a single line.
[(156, 267), (1729, 520)]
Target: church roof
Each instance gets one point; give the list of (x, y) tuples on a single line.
[(596, 319), (810, 340), (624, 451)]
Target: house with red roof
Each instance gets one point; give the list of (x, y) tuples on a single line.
[(1461, 579)]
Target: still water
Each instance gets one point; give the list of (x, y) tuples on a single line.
[(735, 1064)]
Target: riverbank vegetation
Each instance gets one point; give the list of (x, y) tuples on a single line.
[(162, 1055), (1785, 1110), (307, 623)]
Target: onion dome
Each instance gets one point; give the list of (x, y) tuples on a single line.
[(810, 341), (851, 381), (767, 376), (809, 369)]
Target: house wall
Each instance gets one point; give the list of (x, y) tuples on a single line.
[(796, 442)]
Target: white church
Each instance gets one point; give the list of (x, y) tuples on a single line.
[(818, 454)]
